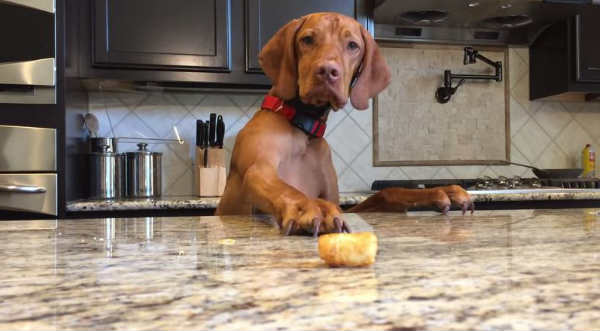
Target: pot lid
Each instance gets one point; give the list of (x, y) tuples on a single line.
[(143, 149)]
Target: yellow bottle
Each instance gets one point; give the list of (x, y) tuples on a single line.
[(588, 161)]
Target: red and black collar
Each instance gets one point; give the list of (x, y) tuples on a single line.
[(308, 118)]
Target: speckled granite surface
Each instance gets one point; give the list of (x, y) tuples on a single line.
[(177, 202), (500, 270), (345, 199)]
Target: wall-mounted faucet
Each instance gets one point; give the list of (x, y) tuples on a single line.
[(444, 93)]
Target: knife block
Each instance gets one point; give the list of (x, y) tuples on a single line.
[(210, 181)]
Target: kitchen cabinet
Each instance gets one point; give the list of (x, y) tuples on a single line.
[(185, 42), (587, 47), (159, 34), (565, 58), (265, 17)]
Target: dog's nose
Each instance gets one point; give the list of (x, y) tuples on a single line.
[(329, 72)]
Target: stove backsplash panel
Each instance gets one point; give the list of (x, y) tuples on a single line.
[(545, 134)]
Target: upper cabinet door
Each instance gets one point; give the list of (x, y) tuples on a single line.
[(587, 26), (162, 34), (265, 17)]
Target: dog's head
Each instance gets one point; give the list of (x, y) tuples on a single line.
[(319, 56)]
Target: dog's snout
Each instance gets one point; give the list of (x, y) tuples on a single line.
[(328, 71)]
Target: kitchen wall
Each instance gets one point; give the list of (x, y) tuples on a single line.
[(545, 134)]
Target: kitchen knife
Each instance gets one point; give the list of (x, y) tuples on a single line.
[(199, 137), (205, 140), (220, 131), (212, 130)]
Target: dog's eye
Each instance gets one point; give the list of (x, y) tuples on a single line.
[(308, 40), (352, 45)]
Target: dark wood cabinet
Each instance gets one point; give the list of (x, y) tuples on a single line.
[(564, 60), (587, 25), (174, 34), (265, 17), (205, 43)]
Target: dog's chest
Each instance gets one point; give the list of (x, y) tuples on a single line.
[(304, 172)]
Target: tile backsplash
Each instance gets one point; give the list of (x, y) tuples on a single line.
[(543, 133)]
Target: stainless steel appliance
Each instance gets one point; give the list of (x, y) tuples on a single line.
[(472, 22), (143, 173), (28, 54), (28, 180), (487, 183), (107, 174)]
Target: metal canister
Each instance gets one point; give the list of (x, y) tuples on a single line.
[(143, 173), (107, 174), (97, 144)]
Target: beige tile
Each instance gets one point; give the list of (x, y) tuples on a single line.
[(184, 185), (518, 116), (518, 68), (466, 171), (396, 174), (133, 126), (553, 157), (131, 99), (339, 164), (363, 166), (552, 117), (348, 140), (249, 103), (531, 140), (420, 172), (523, 52), (173, 166), (572, 140), (588, 116), (364, 118), (521, 93), (510, 171), (488, 171), (351, 182), (187, 132), (443, 173), (333, 120), (161, 112), (189, 100)]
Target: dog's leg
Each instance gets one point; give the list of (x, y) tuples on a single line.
[(294, 211), (401, 200)]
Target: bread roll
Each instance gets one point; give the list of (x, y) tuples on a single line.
[(348, 249)]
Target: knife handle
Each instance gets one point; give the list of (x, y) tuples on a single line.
[(212, 129), (220, 131), (199, 134)]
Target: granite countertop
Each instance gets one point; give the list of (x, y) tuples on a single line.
[(193, 202), (494, 270), (177, 202)]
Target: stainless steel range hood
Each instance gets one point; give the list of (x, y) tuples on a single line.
[(485, 22)]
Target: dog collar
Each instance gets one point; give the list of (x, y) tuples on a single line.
[(307, 118)]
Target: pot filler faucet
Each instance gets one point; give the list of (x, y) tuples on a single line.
[(444, 93)]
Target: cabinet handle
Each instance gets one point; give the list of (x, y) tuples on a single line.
[(593, 68), (14, 188)]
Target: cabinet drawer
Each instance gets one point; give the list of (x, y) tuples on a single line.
[(27, 149), (34, 193)]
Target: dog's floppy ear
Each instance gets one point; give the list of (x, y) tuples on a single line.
[(278, 60), (374, 75)]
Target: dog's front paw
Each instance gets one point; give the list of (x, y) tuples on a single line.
[(312, 216), (459, 197)]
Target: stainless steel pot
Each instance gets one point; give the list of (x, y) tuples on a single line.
[(143, 173), (107, 174), (96, 144)]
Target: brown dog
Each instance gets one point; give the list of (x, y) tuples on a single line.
[(318, 61)]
